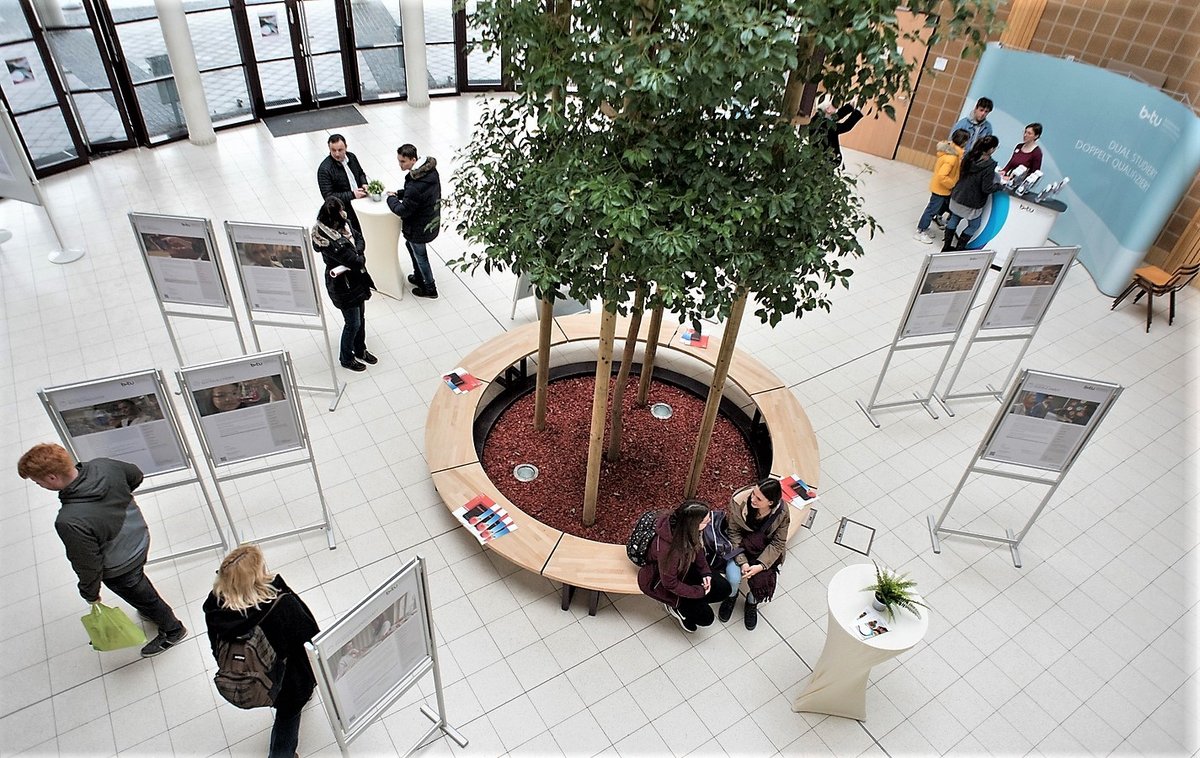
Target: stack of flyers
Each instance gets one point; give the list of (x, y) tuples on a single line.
[(795, 488), (484, 519), (459, 381), (690, 337), (871, 623)]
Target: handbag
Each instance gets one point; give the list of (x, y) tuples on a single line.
[(109, 628)]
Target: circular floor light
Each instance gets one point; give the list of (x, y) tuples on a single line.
[(661, 410), (525, 472)]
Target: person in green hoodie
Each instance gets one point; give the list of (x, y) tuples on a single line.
[(104, 532)]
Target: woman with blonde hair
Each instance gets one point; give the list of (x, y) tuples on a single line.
[(246, 595)]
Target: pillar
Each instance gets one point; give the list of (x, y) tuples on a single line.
[(50, 13), (186, 71), (416, 69)]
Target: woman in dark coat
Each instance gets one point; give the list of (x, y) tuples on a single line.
[(346, 279), (676, 572), (976, 180), (246, 595)]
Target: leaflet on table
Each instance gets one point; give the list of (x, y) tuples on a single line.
[(122, 418), (871, 623), (1048, 420), (484, 519), (244, 411), (796, 491), (273, 268), (181, 260), (1029, 284), (690, 337), (468, 382), (946, 293)]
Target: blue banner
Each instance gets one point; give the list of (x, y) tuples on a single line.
[(1130, 150)]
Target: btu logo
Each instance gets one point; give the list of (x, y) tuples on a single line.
[(1151, 116)]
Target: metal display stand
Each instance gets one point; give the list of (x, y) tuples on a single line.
[(1027, 321), (184, 452), (1022, 447), (348, 721), (227, 305), (304, 444), (946, 316), (299, 234)]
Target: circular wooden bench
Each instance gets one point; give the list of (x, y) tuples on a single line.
[(573, 561)]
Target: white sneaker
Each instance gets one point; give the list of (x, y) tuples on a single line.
[(923, 238)]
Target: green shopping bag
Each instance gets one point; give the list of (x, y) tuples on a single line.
[(110, 629)]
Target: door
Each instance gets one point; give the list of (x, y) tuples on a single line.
[(298, 62), (876, 133)]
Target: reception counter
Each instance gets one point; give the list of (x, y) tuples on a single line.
[(1013, 221)]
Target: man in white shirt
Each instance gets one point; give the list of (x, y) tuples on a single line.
[(340, 175)]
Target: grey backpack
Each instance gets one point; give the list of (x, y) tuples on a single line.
[(249, 673)]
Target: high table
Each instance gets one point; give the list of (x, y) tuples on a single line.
[(381, 230), (838, 685)]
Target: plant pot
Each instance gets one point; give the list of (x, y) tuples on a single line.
[(377, 196), (877, 604)]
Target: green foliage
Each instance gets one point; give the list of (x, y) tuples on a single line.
[(695, 180), (895, 591), (375, 187)]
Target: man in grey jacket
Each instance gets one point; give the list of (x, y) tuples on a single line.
[(103, 530)]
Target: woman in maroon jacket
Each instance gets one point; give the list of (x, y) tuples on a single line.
[(676, 572)]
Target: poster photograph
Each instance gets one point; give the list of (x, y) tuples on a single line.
[(121, 418), (20, 70), (268, 24), (372, 650), (1047, 421), (181, 260), (272, 267), (1027, 287), (946, 292), (244, 408)]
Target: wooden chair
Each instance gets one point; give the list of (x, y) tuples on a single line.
[(1155, 281)]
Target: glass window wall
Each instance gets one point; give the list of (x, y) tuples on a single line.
[(379, 49), (219, 58), (440, 49)]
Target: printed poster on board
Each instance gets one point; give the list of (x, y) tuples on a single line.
[(946, 292), (245, 407), (1047, 421), (1028, 286), (181, 259), (125, 418), (273, 268)]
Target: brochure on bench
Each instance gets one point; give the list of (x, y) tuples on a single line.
[(484, 519)]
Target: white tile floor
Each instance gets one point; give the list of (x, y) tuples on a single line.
[(1090, 648)]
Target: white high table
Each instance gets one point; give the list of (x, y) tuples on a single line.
[(381, 230), (838, 685)]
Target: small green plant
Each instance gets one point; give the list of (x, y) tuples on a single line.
[(375, 187), (892, 590)]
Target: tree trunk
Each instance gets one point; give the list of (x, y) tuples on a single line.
[(711, 406), (618, 403), (546, 325), (591, 492), (651, 351)]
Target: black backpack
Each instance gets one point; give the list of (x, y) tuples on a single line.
[(249, 673), (639, 540)]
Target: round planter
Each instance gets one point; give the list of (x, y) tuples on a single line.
[(877, 605)]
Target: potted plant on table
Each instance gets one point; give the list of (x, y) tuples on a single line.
[(375, 190), (894, 590)]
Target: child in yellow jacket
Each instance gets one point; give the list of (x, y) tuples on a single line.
[(945, 176)]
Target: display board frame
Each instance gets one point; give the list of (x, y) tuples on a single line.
[(251, 377), (92, 395), (242, 233), (375, 622), (1013, 282), (939, 304), (154, 226), (1045, 399)]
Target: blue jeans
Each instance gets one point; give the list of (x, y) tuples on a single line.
[(354, 333), (938, 204), (969, 230), (285, 735), (733, 572), (420, 264)]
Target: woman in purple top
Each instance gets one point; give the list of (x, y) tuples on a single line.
[(677, 573), (1026, 154)]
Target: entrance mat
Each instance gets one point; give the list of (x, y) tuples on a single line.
[(314, 121)]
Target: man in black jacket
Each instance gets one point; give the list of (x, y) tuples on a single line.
[(105, 534), (340, 175), (419, 204)]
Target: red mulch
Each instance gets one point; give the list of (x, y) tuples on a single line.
[(651, 473)]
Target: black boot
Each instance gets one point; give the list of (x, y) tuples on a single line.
[(726, 609), (948, 240), (751, 615)]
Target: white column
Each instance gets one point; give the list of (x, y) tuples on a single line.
[(416, 70), (50, 13), (187, 72)]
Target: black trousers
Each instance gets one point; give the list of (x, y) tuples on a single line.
[(699, 610), (134, 588)]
